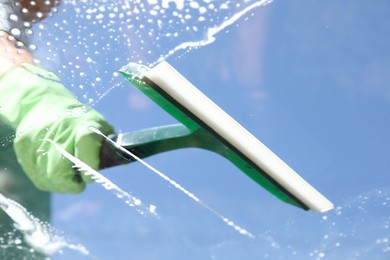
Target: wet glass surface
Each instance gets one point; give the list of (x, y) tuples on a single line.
[(309, 79)]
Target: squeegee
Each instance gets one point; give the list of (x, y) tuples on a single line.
[(203, 124)]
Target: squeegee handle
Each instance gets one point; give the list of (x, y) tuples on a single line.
[(148, 142), (111, 156)]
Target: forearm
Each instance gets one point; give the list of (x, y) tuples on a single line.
[(12, 52), (11, 55), (12, 36)]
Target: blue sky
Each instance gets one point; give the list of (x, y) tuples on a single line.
[(309, 79)]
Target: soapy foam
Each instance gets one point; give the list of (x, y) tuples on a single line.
[(103, 35), (38, 235)]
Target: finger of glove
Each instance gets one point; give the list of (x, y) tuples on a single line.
[(46, 111), (87, 143), (44, 164)]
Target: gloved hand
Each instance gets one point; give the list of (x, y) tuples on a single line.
[(39, 107)]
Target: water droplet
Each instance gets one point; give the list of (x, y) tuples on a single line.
[(32, 47), (152, 209), (13, 17)]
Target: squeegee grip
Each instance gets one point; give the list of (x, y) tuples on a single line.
[(151, 141)]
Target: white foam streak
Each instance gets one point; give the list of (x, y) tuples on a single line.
[(211, 32), (177, 186), (38, 235), (129, 199)]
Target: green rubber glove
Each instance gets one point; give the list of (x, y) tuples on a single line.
[(39, 107)]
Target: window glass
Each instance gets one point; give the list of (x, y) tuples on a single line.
[(308, 79)]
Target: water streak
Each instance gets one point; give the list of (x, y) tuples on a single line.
[(38, 235), (129, 199), (212, 32), (230, 223), (357, 229)]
